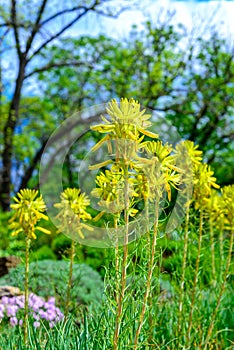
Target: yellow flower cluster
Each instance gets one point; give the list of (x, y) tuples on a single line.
[(127, 121), (73, 210), (204, 181), (28, 211), (160, 169), (110, 190), (227, 206)]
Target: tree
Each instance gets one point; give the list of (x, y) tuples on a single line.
[(33, 27), (189, 80)]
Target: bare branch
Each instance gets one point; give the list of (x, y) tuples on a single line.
[(3, 36), (6, 24), (56, 65), (60, 13), (60, 32), (82, 11), (15, 27), (35, 26), (57, 35)]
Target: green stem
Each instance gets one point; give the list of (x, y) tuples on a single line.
[(28, 241), (192, 306), (72, 255), (212, 254), (225, 275), (149, 276), (116, 260), (185, 253), (221, 252), (121, 293)]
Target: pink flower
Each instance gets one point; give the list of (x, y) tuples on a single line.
[(13, 321), (12, 310), (36, 324)]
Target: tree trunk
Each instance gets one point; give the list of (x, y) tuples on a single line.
[(8, 134)]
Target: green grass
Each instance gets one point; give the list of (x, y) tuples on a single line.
[(94, 331)]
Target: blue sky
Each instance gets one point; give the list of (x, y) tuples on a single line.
[(220, 13)]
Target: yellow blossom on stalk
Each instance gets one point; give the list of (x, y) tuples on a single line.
[(28, 211), (203, 183), (73, 209), (141, 185), (127, 121), (214, 209), (187, 150), (110, 190), (159, 168), (227, 205)]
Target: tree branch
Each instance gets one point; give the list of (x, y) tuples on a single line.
[(35, 26), (60, 32), (15, 27), (6, 24), (60, 13), (55, 65)]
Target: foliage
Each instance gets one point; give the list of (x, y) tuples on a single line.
[(23, 22), (188, 79), (43, 253), (52, 247)]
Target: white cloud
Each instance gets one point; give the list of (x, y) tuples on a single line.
[(190, 13)]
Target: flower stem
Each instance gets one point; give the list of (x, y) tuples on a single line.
[(185, 253), (225, 275), (221, 252), (212, 254), (192, 306), (28, 241), (151, 266), (72, 255), (121, 292), (116, 260)]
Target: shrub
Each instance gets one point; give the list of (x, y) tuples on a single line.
[(61, 245), (44, 253), (49, 278)]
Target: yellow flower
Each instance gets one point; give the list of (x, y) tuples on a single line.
[(227, 205), (73, 209), (127, 121), (214, 210), (142, 186), (159, 169), (203, 183), (187, 151), (28, 211), (110, 189)]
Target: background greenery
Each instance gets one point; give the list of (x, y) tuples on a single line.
[(188, 77)]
